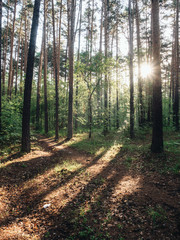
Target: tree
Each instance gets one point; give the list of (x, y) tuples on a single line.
[(0, 61), (56, 77), (176, 82), (157, 132), (71, 70), (28, 80), (131, 71), (45, 71)]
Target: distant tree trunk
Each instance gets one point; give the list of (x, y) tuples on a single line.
[(140, 97), (176, 82), (131, 71), (56, 78), (71, 70), (117, 79), (106, 5), (28, 80), (5, 52), (0, 64), (45, 71), (78, 60), (11, 54), (157, 134), (18, 50), (39, 84)]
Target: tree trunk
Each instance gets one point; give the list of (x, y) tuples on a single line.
[(28, 80), (78, 60), (11, 55), (157, 134), (140, 97), (45, 71), (106, 74), (5, 53), (71, 70), (39, 85), (56, 78), (0, 64), (131, 71), (176, 83)]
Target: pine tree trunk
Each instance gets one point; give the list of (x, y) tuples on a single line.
[(78, 60), (56, 78), (0, 64), (176, 83), (45, 71), (11, 54), (28, 80), (71, 70), (39, 85), (5, 53), (106, 74), (131, 71), (157, 134)]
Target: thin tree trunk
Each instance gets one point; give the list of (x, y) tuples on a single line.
[(39, 84), (117, 79), (5, 53), (0, 65), (71, 70), (28, 81), (176, 91), (18, 50), (157, 134), (78, 60), (106, 74), (131, 71), (56, 77), (11, 54), (140, 97), (45, 71)]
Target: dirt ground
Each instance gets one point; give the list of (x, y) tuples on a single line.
[(58, 192)]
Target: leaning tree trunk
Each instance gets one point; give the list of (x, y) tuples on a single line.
[(157, 134), (28, 80)]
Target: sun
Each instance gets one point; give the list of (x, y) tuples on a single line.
[(146, 70)]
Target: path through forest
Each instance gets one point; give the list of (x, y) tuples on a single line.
[(58, 192)]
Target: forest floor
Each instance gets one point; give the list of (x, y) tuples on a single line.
[(83, 189)]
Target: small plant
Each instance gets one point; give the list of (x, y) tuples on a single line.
[(158, 214)]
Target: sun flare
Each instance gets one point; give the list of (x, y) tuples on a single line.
[(146, 70)]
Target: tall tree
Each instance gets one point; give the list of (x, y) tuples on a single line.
[(131, 71), (56, 77), (176, 79), (71, 69), (10, 79), (157, 133), (140, 96), (28, 80), (45, 70), (106, 36), (0, 62)]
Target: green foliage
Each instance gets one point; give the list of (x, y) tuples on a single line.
[(11, 121)]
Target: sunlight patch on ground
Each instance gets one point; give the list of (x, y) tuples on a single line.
[(26, 158), (126, 186)]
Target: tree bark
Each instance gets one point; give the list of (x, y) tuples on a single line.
[(0, 65), (28, 80), (157, 132), (131, 71), (71, 70), (45, 71), (56, 78)]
